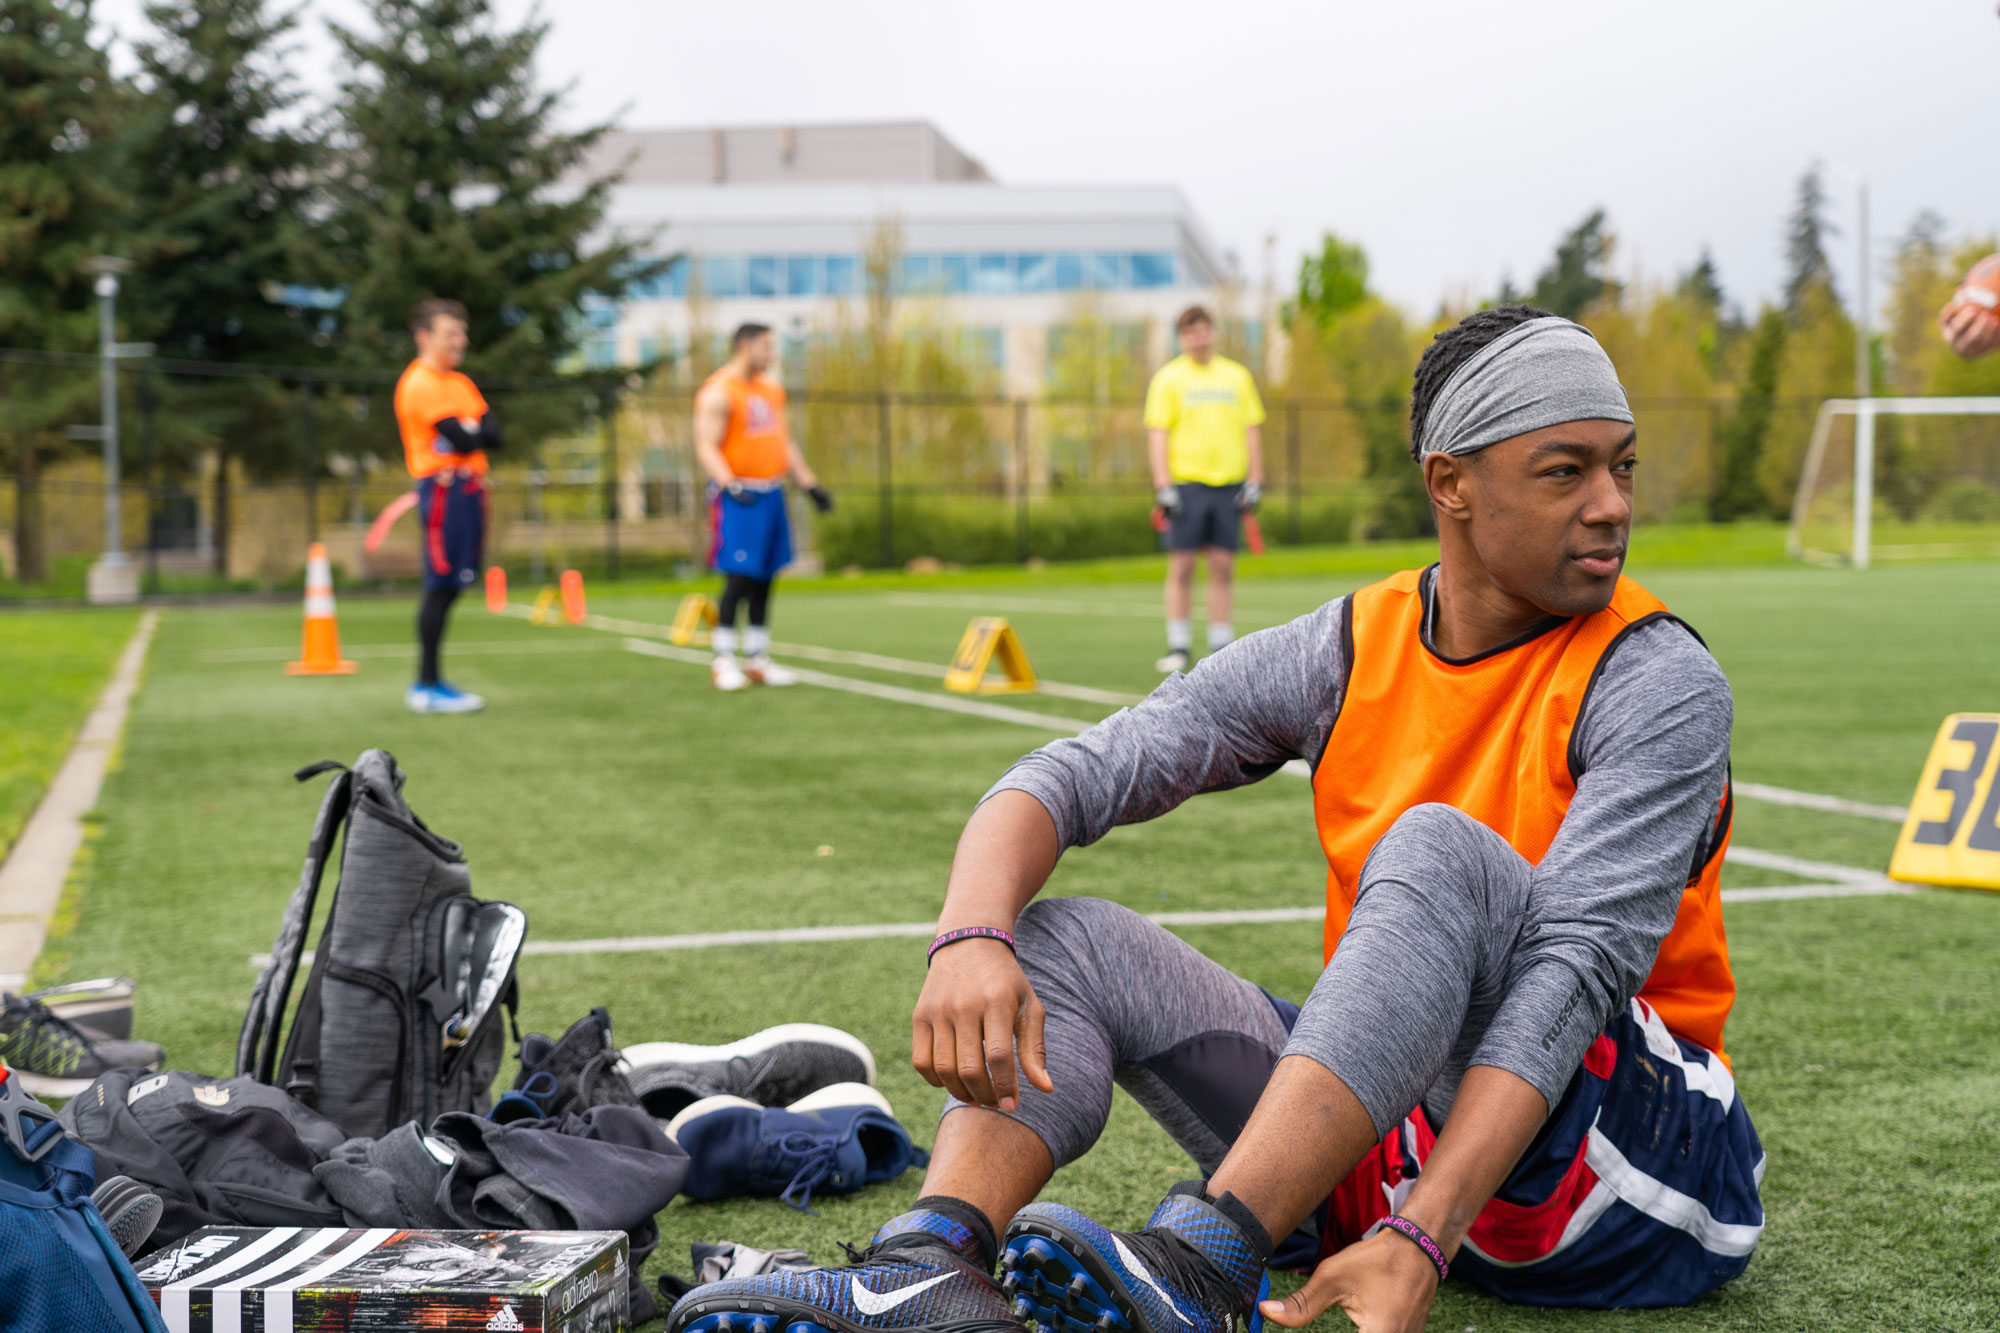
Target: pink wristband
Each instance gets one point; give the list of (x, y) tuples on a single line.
[(1417, 1236), (969, 933)]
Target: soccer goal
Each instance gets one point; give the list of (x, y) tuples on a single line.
[(1890, 478)]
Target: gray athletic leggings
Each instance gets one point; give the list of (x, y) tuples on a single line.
[(1397, 1015)]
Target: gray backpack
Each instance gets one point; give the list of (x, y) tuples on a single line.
[(399, 1019)]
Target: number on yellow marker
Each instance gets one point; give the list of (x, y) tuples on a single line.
[(1952, 833)]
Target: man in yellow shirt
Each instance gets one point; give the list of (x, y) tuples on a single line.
[(1204, 435)]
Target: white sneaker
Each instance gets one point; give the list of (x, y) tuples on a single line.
[(728, 675), (766, 672), (418, 699), (450, 699), (1177, 660)]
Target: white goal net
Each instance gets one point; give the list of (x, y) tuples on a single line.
[(1889, 478)]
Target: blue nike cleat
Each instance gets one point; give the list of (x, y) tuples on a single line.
[(913, 1275), (1192, 1270)]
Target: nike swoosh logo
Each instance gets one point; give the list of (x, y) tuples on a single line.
[(870, 1302), (1131, 1261)]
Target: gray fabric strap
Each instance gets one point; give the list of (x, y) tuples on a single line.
[(1541, 373)]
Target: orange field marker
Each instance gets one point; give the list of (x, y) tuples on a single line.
[(320, 654), (496, 589), (572, 596)]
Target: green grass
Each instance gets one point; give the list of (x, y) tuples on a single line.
[(610, 793), (53, 665)]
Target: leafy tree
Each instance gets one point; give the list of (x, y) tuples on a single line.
[(451, 179), (1737, 493), (1332, 282), (1661, 340), (1817, 364), (60, 203), (222, 184), (1576, 277), (1806, 231)]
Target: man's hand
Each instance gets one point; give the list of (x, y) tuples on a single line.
[(1384, 1284), (821, 497), (976, 1008), (1168, 498), (1968, 330), (1250, 496)]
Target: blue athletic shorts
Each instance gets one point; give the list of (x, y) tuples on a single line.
[(751, 536), (1641, 1190), (1208, 516), (453, 513)]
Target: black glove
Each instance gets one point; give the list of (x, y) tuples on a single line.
[(1168, 498), (489, 433), (1248, 498), (821, 497)]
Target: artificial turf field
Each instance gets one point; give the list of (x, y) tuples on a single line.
[(612, 793)]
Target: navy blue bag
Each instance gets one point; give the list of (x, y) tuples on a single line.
[(59, 1268)]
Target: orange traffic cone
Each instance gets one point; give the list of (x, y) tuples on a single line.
[(572, 596), (496, 589), (321, 654)]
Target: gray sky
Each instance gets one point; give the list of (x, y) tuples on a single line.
[(1455, 139)]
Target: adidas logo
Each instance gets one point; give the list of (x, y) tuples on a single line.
[(506, 1319)]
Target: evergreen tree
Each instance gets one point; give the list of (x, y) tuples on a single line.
[(1702, 284), (222, 183), (453, 181), (59, 205), (1806, 231), (1737, 492), (1576, 277)]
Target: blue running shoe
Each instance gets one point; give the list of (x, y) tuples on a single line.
[(1192, 1270), (914, 1275), (836, 1140)]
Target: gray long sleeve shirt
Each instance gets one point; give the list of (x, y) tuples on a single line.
[(1654, 744)]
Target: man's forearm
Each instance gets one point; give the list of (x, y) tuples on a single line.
[(1005, 856), (796, 460), (1156, 455), (1253, 445), (1494, 1118)]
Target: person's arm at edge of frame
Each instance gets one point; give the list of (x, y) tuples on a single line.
[(1968, 330)]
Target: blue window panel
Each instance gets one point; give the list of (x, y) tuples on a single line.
[(1105, 272), (843, 275), (1152, 268), (1034, 272), (601, 353), (674, 282), (599, 312), (722, 275), (761, 276), (919, 273), (954, 274), (985, 344), (993, 273), (802, 275), (649, 351), (1069, 272)]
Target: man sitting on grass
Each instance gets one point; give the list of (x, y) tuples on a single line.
[(1511, 1067)]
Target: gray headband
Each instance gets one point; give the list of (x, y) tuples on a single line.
[(1541, 373)]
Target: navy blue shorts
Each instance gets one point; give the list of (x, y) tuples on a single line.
[(453, 514), (1207, 517), (751, 536), (1641, 1190)]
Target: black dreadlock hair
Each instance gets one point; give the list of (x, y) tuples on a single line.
[(1451, 349)]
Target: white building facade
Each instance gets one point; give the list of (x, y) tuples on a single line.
[(775, 225)]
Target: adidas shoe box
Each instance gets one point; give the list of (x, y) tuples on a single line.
[(350, 1279)]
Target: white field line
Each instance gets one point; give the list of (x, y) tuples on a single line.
[(410, 650), (1757, 791), (31, 880), (843, 657), (920, 930)]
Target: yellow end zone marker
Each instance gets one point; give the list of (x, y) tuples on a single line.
[(1952, 833), (544, 599), (693, 621), (987, 638)]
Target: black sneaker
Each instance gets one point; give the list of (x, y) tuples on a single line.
[(101, 1007), (774, 1067), (914, 1275), (1192, 1270), (583, 1069), (54, 1058)]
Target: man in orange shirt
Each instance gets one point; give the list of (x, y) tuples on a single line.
[(740, 440), (447, 431), (1510, 1068)]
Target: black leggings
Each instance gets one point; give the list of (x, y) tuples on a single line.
[(742, 590), (431, 613)]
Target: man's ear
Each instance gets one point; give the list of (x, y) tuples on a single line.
[(1447, 479)]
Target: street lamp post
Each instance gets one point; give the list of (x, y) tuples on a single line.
[(112, 577)]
